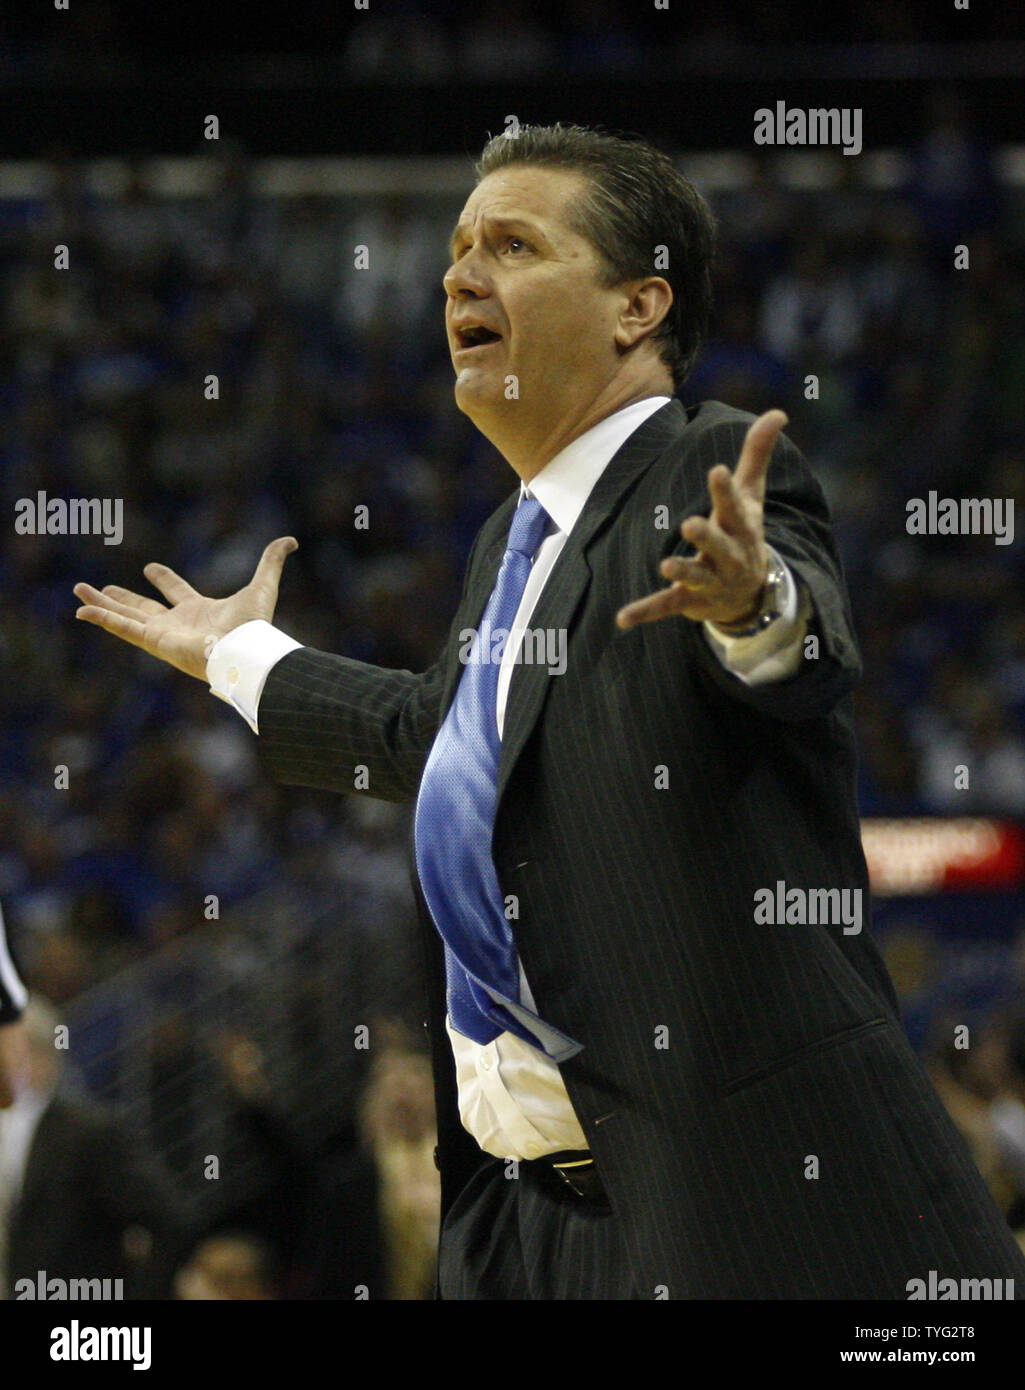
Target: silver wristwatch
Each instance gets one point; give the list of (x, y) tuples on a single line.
[(773, 602)]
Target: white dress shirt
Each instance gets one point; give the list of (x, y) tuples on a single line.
[(512, 1097)]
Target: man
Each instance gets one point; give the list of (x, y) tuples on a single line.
[(700, 1102), (79, 1199)]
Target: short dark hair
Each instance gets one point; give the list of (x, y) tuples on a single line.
[(638, 200)]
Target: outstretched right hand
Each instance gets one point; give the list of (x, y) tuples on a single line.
[(184, 634)]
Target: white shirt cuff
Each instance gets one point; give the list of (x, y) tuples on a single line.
[(238, 665), (774, 653)]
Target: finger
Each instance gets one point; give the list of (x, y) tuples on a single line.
[(171, 585), (759, 442), (94, 598), (133, 600), (675, 600), (128, 629), (727, 510), (268, 571), (720, 549), (690, 571)]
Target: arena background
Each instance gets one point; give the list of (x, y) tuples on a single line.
[(235, 1031)]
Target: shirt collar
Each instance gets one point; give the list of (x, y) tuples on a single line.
[(566, 481)]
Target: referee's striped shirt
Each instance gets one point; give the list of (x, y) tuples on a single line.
[(13, 995)]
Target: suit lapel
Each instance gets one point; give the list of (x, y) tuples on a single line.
[(567, 583)]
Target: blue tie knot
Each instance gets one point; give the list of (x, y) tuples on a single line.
[(529, 523)]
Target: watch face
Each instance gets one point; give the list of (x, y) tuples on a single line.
[(772, 605), (774, 591)]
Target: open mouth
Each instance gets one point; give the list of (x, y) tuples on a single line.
[(476, 337)]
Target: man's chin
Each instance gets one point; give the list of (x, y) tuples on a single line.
[(475, 394)]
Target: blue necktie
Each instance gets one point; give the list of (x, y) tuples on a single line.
[(455, 816)]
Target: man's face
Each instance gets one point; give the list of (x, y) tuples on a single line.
[(519, 269)]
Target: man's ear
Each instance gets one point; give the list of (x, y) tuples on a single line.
[(646, 304)]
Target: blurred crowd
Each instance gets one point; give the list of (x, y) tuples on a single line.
[(334, 392), (416, 40), (86, 1194)]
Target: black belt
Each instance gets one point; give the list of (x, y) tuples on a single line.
[(578, 1170)]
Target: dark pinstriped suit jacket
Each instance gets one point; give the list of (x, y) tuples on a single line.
[(637, 903)]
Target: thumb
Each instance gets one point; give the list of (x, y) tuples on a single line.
[(267, 575), (268, 571)]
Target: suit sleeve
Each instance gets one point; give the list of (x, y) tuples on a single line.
[(324, 718), (798, 526)]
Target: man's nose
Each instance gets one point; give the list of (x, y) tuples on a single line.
[(465, 276)]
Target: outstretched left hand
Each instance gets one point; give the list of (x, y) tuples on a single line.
[(723, 582)]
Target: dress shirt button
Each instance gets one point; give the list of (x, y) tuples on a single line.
[(233, 676), (484, 1061)]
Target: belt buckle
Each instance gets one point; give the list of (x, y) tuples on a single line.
[(585, 1166)]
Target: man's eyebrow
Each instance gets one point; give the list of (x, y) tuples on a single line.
[(459, 230)]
